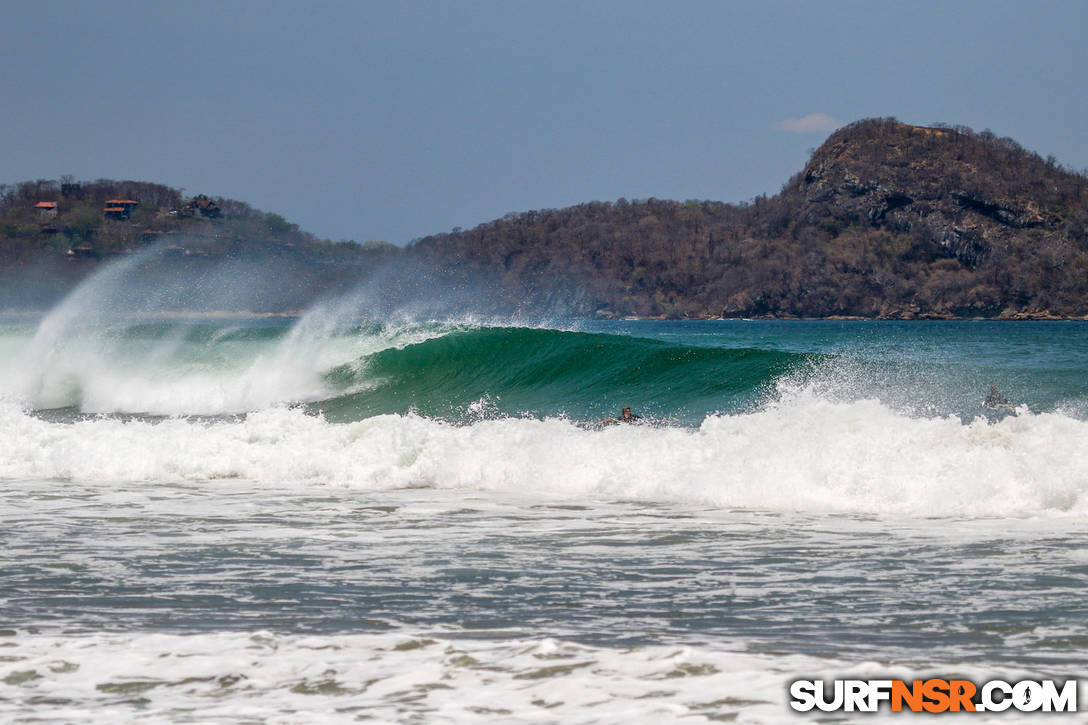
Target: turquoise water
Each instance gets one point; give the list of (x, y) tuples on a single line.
[(670, 372)]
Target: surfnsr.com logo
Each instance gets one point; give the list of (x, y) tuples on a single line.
[(934, 695)]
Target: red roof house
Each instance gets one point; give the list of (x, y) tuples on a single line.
[(46, 208)]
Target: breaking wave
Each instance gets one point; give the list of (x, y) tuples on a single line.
[(352, 372), (94, 394), (804, 454)]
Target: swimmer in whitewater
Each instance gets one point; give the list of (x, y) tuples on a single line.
[(995, 399), (626, 416)]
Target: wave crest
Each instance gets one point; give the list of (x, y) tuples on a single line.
[(806, 454), (349, 372)]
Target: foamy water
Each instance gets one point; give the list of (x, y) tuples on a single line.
[(335, 518), (235, 600), (422, 676), (801, 455)]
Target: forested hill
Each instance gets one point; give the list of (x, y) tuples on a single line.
[(53, 233), (886, 220)]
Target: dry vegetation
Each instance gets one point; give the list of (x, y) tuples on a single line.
[(886, 220)]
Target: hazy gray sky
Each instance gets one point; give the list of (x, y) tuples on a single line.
[(392, 120)]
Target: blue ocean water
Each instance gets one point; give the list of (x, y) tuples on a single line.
[(332, 517)]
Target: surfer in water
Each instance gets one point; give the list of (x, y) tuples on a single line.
[(626, 416), (995, 399)]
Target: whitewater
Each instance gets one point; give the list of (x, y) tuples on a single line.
[(388, 514)]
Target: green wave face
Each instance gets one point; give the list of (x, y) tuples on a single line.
[(455, 372), (503, 371)]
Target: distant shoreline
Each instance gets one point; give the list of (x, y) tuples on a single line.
[(9, 314)]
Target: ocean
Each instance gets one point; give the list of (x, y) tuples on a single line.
[(340, 516)]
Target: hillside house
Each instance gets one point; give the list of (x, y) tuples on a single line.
[(46, 209), (119, 208)]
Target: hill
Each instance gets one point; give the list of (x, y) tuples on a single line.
[(53, 233), (887, 220)]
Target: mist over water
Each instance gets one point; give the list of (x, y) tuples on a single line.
[(397, 503), (136, 337)]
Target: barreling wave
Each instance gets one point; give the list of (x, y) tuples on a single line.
[(516, 371), (327, 400), (470, 406), (457, 372)]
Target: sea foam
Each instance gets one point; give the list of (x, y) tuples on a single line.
[(800, 454), (394, 677)]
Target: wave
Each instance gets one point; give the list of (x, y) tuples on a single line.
[(170, 368), (802, 453), (455, 371), (542, 372), (360, 355)]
